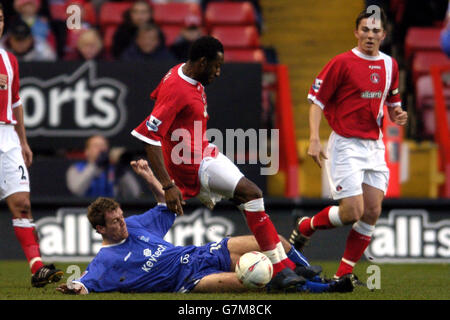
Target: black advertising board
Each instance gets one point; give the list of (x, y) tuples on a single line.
[(65, 102)]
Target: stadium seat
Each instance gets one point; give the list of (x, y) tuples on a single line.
[(108, 35), (423, 60), (171, 33), (175, 13), (229, 13), (245, 55), (58, 11), (235, 37), (111, 13), (422, 39)]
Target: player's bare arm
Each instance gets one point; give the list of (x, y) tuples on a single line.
[(142, 169), (398, 115), (315, 148), (20, 129), (173, 196)]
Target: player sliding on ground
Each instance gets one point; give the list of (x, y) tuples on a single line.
[(179, 118), (135, 258)]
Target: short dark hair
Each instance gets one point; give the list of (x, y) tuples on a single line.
[(365, 14), (205, 46), (98, 209)]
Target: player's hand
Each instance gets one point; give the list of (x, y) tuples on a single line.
[(27, 154), (399, 116), (316, 152), (3, 80), (142, 169), (174, 200), (63, 288)]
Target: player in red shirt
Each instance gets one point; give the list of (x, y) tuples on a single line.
[(15, 157), (351, 91), (187, 165)]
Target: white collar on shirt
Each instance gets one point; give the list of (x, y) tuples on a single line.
[(185, 77), (114, 244), (365, 56)]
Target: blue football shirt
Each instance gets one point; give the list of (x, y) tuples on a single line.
[(145, 262)]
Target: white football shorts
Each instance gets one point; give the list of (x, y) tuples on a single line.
[(218, 178), (13, 172), (352, 162)]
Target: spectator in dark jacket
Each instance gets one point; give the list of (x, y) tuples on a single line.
[(139, 14), (148, 45)]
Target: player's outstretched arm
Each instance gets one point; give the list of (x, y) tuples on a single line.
[(142, 169), (174, 198)]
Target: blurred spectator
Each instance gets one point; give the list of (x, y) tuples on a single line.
[(89, 46), (27, 11), (191, 32), (25, 47), (139, 15), (104, 173), (71, 35), (148, 45)]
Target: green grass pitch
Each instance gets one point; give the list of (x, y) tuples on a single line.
[(397, 282)]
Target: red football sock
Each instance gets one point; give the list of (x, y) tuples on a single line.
[(322, 220), (26, 234), (354, 249)]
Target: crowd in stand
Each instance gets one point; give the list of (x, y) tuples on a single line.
[(34, 31)]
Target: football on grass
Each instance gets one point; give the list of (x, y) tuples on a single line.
[(254, 269)]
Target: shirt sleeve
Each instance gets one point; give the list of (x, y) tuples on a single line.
[(326, 84), (393, 98), (91, 278), (169, 102), (157, 220), (15, 83)]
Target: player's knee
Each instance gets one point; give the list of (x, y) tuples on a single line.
[(247, 191), (20, 207), (372, 212), (351, 215)]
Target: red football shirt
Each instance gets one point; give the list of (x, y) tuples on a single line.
[(178, 124), (9, 94), (352, 90)]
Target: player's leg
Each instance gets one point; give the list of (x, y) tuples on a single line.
[(360, 235), (345, 176), (220, 177), (237, 246), (15, 189), (220, 282), (251, 201)]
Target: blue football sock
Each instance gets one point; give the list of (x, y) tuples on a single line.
[(297, 257), (314, 287)]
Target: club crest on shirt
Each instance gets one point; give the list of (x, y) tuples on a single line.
[(4, 87), (375, 78)]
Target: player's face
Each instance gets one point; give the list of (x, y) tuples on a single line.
[(212, 69), (115, 229), (370, 34)]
